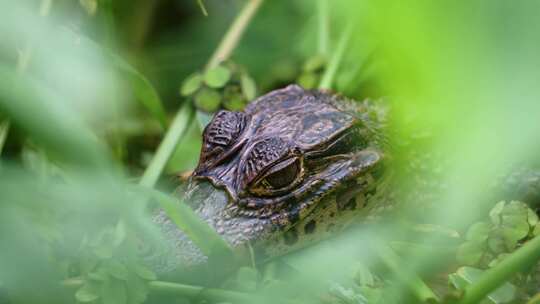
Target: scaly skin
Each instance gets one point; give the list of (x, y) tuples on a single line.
[(290, 169)]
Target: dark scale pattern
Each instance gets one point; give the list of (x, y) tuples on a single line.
[(262, 154), (269, 174), (220, 134)]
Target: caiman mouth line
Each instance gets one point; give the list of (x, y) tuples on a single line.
[(283, 164)]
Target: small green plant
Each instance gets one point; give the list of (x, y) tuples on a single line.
[(226, 86), (488, 242)]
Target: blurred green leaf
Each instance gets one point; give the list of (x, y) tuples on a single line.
[(175, 133), (247, 274), (470, 252), (512, 236), (90, 6), (496, 244), (143, 89), (114, 292), (314, 63), (203, 8), (104, 250), (4, 129), (498, 259), (207, 100), (364, 277), (535, 299), (99, 275), (532, 217), (478, 232), (21, 98), (137, 289), (234, 102), (191, 84), (87, 293), (120, 233), (536, 231), (145, 273), (496, 211), (249, 88), (217, 77), (247, 278), (469, 275), (117, 269), (308, 80)]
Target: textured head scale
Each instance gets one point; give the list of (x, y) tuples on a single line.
[(238, 146), (285, 172), (286, 153)]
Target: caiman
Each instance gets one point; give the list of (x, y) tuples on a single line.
[(292, 168)]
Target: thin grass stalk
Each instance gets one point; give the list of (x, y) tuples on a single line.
[(233, 35), (23, 61), (185, 114), (167, 146), (329, 75), (407, 277), (4, 129), (324, 26), (203, 8), (189, 291), (494, 277)]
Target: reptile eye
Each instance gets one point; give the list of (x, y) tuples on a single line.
[(280, 178)]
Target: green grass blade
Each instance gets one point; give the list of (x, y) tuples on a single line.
[(406, 276), (143, 89), (4, 129), (233, 35), (145, 92), (330, 73), (175, 133), (60, 131), (185, 114), (519, 260), (323, 26)]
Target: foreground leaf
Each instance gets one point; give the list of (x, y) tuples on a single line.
[(143, 90), (87, 293), (114, 292), (469, 275), (217, 77)]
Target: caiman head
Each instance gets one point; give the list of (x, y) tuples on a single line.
[(291, 167)]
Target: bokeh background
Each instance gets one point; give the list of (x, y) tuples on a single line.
[(90, 88)]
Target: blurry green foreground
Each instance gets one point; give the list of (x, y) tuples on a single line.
[(89, 88)]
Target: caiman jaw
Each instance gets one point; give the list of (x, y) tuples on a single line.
[(280, 168)]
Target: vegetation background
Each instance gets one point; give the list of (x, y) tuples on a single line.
[(102, 103)]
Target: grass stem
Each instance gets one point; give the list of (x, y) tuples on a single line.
[(494, 277), (330, 73), (4, 129), (323, 23), (233, 35), (189, 291), (406, 276), (203, 8), (22, 64), (167, 146), (185, 114)]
